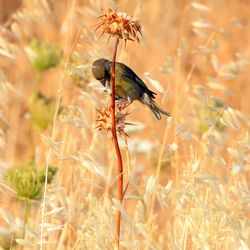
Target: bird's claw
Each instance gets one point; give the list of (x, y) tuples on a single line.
[(122, 105)]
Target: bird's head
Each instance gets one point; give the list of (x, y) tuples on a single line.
[(99, 69)]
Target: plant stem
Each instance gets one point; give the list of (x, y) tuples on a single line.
[(33, 132), (26, 215), (117, 148)]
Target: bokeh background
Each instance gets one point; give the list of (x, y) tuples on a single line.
[(187, 177)]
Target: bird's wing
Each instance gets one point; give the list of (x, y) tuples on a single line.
[(129, 75)]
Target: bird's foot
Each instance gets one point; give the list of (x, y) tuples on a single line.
[(122, 105)]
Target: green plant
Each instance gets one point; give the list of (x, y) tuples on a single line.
[(41, 109), (209, 113), (27, 180), (44, 55)]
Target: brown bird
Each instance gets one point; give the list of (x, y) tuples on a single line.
[(128, 86)]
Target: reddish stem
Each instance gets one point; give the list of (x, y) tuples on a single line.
[(117, 148)]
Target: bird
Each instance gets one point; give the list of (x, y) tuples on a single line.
[(128, 85)]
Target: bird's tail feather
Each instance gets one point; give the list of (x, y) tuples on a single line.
[(145, 99)]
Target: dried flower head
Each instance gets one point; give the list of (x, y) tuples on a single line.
[(119, 24), (104, 120)]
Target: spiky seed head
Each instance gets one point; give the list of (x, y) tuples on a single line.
[(119, 24), (104, 120)]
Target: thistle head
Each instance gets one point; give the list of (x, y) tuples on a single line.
[(119, 24), (104, 120)]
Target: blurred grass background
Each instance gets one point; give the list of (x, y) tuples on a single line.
[(188, 176)]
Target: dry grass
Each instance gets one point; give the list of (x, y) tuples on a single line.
[(188, 176)]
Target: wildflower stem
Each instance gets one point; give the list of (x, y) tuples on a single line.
[(117, 148)]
